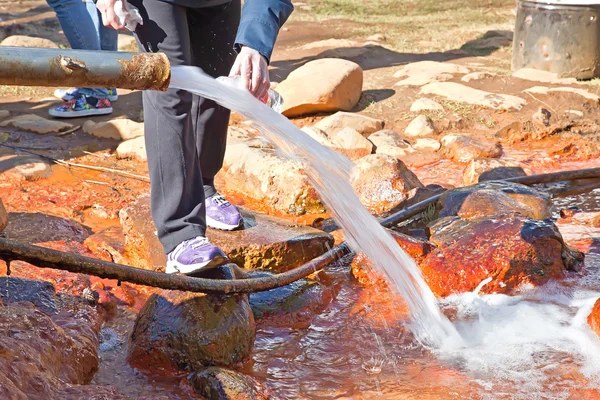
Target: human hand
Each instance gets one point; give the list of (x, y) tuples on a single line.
[(252, 67), (109, 18)]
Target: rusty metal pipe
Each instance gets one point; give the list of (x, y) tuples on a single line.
[(23, 66)]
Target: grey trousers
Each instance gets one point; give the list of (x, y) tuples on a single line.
[(185, 134)]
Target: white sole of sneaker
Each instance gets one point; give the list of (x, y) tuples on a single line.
[(213, 223), (77, 114), (173, 267), (68, 98)]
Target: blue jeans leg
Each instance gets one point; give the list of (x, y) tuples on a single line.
[(81, 27)]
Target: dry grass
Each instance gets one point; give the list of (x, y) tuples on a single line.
[(415, 25)]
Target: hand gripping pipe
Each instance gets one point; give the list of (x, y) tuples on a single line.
[(27, 66)]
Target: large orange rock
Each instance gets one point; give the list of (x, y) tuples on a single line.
[(510, 249), (362, 269), (594, 318), (324, 85), (383, 182)]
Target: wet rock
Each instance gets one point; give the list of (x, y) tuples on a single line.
[(451, 203), (512, 250), (420, 126), (383, 182), (390, 143), (117, 129), (464, 94), (108, 245), (3, 216), (463, 148), (423, 72), (427, 144), (341, 120), (24, 166), (537, 75), (594, 318), (425, 104), (41, 294), (36, 124), (133, 148), (266, 177), (490, 169), (492, 202), (28, 41), (215, 383), (336, 85), (363, 270), (476, 76), (291, 305), (542, 117), (182, 331), (547, 90), (41, 356), (264, 243)]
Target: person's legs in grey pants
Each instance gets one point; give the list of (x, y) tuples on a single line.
[(185, 134)]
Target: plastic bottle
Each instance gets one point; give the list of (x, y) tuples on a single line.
[(272, 98)]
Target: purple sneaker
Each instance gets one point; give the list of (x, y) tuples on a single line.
[(221, 214), (194, 255)]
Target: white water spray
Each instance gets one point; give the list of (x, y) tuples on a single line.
[(329, 173)]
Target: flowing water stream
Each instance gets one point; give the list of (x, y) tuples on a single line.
[(536, 345)]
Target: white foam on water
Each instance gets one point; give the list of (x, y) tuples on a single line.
[(329, 173), (529, 343)]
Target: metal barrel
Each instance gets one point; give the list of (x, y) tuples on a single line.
[(26, 66), (558, 36)]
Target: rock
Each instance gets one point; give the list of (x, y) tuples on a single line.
[(427, 144), (420, 126), (462, 148), (42, 355), (266, 177), (512, 250), (591, 218), (537, 75), (490, 169), (547, 90), (486, 202), (335, 85), (294, 305), (215, 383), (352, 144), (264, 243), (574, 112), (41, 294), (178, 331), (390, 143), (36, 124), (127, 43), (542, 117), (383, 182), (117, 129), (108, 245), (425, 104), (476, 76), (3, 216), (453, 201), (378, 37), (28, 167), (4, 114), (464, 94), (341, 120), (363, 270), (423, 72), (133, 148), (28, 41), (594, 318)]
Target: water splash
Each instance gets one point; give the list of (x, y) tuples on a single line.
[(329, 173)]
